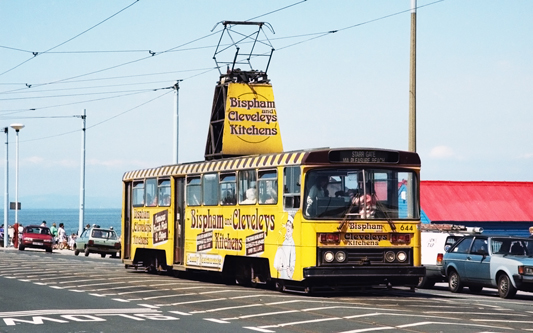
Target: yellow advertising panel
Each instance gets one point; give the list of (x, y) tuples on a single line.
[(251, 123), (152, 228), (214, 233)]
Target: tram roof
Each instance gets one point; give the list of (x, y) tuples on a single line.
[(312, 156)]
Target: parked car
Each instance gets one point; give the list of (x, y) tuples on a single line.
[(38, 237), (479, 261), (98, 240), (435, 240)]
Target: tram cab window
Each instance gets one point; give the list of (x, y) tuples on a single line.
[(291, 187), (194, 191), (138, 194), (164, 192), (247, 187), (268, 187), (210, 189), (353, 193), (151, 192), (228, 185)]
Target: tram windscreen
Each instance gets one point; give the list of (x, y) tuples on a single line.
[(349, 193)]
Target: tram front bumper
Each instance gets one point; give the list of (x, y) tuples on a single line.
[(365, 275)]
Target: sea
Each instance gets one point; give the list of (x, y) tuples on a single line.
[(104, 217)]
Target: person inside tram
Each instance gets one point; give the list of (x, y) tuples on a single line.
[(318, 190), (364, 199), (250, 196)]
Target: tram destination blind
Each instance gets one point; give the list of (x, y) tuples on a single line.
[(363, 156)]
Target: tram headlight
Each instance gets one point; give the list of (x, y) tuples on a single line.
[(340, 256), (390, 256), (401, 256), (328, 256)]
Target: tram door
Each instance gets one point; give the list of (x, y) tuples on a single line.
[(126, 228), (179, 204)]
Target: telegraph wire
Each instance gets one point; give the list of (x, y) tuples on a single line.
[(73, 95), (277, 10), (35, 54), (89, 87), (152, 54), (12, 111), (97, 124), (133, 108), (326, 33)]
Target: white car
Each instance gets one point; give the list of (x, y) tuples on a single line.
[(98, 240), (436, 239)]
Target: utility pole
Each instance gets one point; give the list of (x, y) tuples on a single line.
[(176, 87), (6, 193), (412, 81), (82, 176)]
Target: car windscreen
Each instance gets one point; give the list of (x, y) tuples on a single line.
[(512, 246), (108, 234)]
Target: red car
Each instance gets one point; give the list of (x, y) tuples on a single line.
[(35, 236)]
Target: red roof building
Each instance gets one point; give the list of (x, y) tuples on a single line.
[(506, 207)]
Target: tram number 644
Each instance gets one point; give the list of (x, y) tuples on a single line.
[(406, 228)]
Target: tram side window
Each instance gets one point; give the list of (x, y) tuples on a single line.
[(268, 187), (291, 187), (247, 187), (164, 192), (151, 192), (228, 185), (210, 189), (194, 191), (138, 194)]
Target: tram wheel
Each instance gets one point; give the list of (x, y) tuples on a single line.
[(280, 286)]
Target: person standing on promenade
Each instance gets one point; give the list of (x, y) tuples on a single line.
[(16, 235), (11, 233), (530, 232), (43, 224), (62, 237), (53, 230)]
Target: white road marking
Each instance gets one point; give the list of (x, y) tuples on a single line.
[(180, 313), (200, 301), (74, 312), (301, 322), (262, 314), (217, 320), (227, 308), (258, 329)]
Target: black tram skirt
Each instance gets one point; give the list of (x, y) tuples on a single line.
[(366, 275)]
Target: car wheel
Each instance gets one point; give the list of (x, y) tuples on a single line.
[(505, 287), (76, 252), (425, 283), (475, 289), (454, 282), (87, 252), (102, 255), (21, 248), (49, 249)]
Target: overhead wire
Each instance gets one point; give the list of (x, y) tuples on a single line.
[(35, 54), (99, 123), (326, 33)]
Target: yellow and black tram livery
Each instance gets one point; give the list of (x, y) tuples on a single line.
[(321, 217)]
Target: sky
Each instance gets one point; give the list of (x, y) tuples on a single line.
[(348, 88)]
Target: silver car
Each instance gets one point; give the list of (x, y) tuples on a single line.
[(98, 240), (501, 262)]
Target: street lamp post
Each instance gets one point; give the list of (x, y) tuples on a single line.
[(17, 128), (6, 193)]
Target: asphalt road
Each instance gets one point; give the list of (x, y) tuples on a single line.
[(59, 292)]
